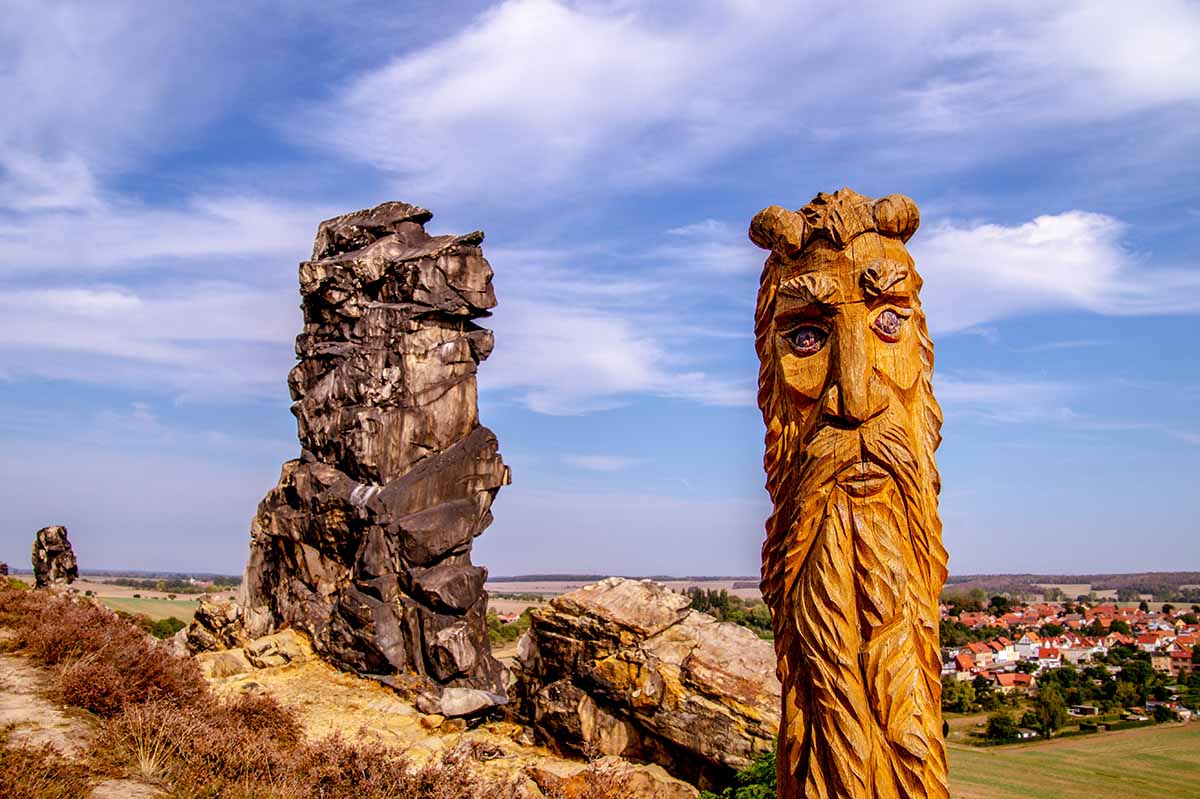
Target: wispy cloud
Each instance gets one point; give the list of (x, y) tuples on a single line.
[(1003, 398), (600, 463), (537, 97), (114, 234), (216, 340)]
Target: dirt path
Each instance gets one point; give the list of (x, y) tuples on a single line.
[(37, 721)]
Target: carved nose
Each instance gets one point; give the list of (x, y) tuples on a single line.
[(855, 394)]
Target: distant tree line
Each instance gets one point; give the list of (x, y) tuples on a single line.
[(174, 585), (1163, 586), (719, 603)]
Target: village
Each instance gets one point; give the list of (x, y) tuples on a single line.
[(1107, 660)]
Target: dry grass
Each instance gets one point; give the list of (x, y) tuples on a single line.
[(38, 772), (162, 724)]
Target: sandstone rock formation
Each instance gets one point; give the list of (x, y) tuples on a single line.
[(53, 559), (624, 667), (365, 544), (499, 754)]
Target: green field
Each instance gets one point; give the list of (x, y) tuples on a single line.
[(154, 608), (1161, 762)]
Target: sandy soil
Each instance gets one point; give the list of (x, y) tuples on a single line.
[(37, 721)]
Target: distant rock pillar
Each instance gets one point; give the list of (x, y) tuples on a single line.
[(53, 559)]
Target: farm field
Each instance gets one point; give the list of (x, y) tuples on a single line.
[(1160, 762), (156, 609), (550, 588)]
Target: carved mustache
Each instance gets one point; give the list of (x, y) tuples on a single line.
[(884, 442)]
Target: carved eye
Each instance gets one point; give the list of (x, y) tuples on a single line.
[(888, 325), (806, 340)]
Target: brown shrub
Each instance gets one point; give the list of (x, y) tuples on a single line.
[(162, 722), (38, 772), (259, 713), (102, 663)]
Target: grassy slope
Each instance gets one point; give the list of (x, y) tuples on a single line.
[(154, 608), (1153, 763)]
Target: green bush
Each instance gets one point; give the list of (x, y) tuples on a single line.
[(501, 633), (719, 603), (756, 781)]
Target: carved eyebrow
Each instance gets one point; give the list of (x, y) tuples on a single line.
[(881, 277), (813, 288)]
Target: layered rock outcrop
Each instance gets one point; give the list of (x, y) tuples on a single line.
[(624, 667), (53, 559), (365, 543)]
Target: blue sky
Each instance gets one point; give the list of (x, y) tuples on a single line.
[(162, 171)]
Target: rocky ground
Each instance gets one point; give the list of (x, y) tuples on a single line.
[(331, 701)]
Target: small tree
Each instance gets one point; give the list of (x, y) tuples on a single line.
[(957, 696), (1126, 695), (1001, 727), (1051, 711)]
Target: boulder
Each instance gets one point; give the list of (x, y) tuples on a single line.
[(278, 649), (365, 543), (53, 559), (609, 777), (626, 668)]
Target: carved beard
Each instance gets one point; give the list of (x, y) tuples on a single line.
[(856, 631)]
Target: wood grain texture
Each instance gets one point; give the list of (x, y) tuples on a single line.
[(853, 561)]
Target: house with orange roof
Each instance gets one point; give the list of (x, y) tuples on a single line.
[(1008, 681), (1049, 657), (981, 653)]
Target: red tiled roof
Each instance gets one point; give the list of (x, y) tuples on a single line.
[(1014, 680)]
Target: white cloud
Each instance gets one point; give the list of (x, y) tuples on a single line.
[(538, 97), (217, 340), (566, 359), (117, 234), (600, 463), (1075, 260)]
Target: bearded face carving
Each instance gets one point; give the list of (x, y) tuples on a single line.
[(853, 561)]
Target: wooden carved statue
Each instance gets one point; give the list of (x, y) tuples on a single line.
[(853, 561)]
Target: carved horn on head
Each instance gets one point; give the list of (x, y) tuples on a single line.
[(897, 216), (777, 229)]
